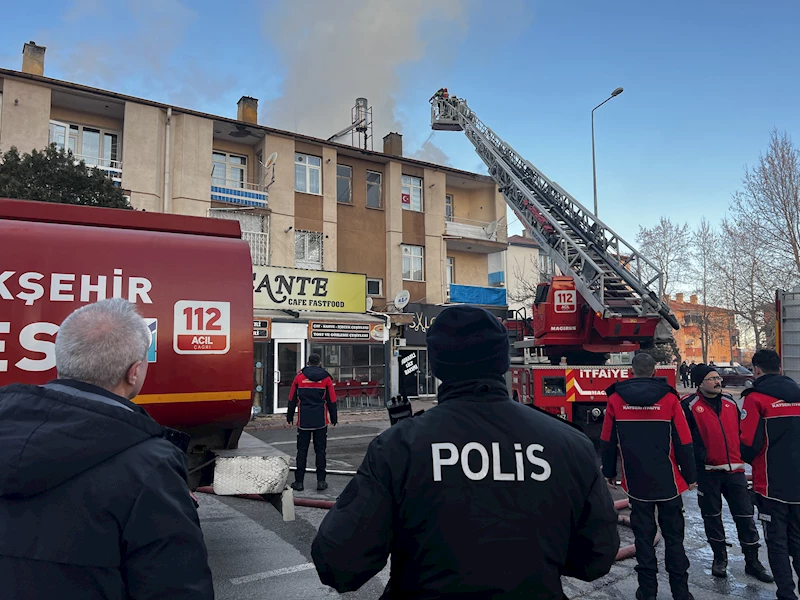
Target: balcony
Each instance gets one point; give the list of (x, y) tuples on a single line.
[(474, 294), (475, 236), (244, 193), (111, 168)]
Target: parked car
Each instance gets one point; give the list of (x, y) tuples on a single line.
[(736, 376)]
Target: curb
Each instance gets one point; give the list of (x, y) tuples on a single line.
[(282, 424)]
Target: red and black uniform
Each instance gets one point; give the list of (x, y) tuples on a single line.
[(314, 398), (771, 443), (644, 423), (714, 423)]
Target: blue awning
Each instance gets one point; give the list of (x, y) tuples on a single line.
[(473, 294)]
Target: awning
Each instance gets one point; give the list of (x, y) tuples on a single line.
[(278, 316)]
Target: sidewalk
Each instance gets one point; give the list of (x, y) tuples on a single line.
[(346, 417)]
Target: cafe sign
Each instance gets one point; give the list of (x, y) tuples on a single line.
[(280, 288), (324, 331)]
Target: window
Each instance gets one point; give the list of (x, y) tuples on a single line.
[(359, 362), (307, 174), (554, 386), (255, 231), (451, 269), (308, 250), (375, 287), (96, 147), (413, 263), (228, 170), (374, 189), (412, 193), (448, 207), (344, 184)]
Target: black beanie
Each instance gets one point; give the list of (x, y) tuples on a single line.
[(700, 372), (466, 342)]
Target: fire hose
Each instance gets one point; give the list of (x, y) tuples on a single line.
[(623, 553)]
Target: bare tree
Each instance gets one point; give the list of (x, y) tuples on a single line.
[(667, 245), (770, 200), (706, 281)]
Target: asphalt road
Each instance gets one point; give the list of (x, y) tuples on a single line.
[(254, 554)]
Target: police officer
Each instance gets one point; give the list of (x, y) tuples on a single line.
[(479, 497), (645, 422), (713, 419), (771, 443)]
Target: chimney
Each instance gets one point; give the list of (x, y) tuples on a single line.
[(693, 298), (679, 298), (393, 144), (248, 110), (33, 59)]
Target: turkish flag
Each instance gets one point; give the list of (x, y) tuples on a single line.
[(406, 199)]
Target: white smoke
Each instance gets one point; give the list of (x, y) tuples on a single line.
[(336, 51)]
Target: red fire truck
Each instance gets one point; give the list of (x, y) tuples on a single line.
[(190, 278), (609, 299)]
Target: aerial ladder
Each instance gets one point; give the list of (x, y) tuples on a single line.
[(610, 298)]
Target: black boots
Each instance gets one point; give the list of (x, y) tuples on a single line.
[(298, 486), (322, 485), (753, 566), (719, 568)]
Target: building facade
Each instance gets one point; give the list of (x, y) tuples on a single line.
[(698, 323), (302, 203), (527, 265)]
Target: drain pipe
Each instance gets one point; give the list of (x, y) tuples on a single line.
[(167, 200)]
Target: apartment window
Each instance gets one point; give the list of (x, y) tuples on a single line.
[(344, 184), (451, 270), (308, 250), (413, 263), (96, 147), (374, 189), (255, 231), (228, 170), (412, 193), (448, 207), (375, 287), (307, 174)]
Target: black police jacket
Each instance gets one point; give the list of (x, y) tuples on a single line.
[(479, 497), (93, 500)]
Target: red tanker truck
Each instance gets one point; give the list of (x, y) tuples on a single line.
[(191, 279)]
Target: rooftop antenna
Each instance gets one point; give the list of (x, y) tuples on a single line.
[(360, 128)]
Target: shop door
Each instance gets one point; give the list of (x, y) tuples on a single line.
[(289, 359)]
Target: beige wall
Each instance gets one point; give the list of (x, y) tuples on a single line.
[(477, 204), (522, 275), (143, 138), (470, 268), (329, 210), (26, 116), (281, 201), (435, 278), (77, 117), (191, 164), (394, 229)]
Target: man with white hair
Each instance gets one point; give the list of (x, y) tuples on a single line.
[(93, 496)]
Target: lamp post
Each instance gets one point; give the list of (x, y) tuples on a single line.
[(616, 92)]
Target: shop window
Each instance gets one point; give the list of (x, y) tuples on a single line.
[(358, 362)]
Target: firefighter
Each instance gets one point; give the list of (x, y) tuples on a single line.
[(714, 420), (645, 423), (479, 497), (313, 396), (771, 443)]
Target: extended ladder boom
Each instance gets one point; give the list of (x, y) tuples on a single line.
[(611, 275)]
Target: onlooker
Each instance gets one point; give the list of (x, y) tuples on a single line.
[(713, 419), (645, 423), (479, 497), (94, 502), (771, 443), (684, 373), (313, 396)]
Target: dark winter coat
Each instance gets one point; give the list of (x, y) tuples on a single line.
[(644, 421), (771, 437), (93, 501), (314, 398), (479, 497)]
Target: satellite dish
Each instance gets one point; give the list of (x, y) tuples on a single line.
[(369, 303), (402, 299), (271, 160), (491, 228)]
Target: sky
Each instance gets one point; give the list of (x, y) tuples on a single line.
[(705, 82)]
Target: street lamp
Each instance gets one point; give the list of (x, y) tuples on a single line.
[(616, 92)]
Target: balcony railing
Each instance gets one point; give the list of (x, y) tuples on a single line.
[(238, 192), (111, 168), (479, 230)]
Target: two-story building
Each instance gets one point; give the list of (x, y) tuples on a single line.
[(303, 203)]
